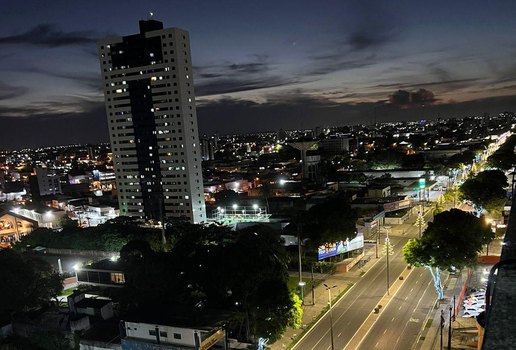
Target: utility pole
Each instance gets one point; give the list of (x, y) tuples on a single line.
[(442, 326), (450, 329), (454, 307), (313, 287), (301, 283), (331, 316), (377, 240)]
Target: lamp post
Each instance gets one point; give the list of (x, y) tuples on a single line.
[(312, 284), (450, 329), (442, 326), (76, 268), (301, 283), (331, 316)]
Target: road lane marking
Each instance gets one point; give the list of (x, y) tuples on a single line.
[(339, 334)]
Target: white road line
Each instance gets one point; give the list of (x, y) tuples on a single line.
[(339, 334)]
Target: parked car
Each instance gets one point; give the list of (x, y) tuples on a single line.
[(474, 313)]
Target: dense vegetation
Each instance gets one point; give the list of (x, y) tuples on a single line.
[(486, 190), (452, 240), (243, 274), (504, 157), (109, 237), (27, 283)]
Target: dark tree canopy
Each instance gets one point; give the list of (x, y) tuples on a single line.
[(331, 221), (486, 190), (504, 157), (212, 267), (27, 283), (110, 236), (454, 238)]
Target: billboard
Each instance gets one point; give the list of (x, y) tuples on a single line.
[(333, 249)]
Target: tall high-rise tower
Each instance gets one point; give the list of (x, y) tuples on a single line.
[(150, 106)]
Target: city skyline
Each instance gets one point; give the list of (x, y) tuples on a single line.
[(263, 66)]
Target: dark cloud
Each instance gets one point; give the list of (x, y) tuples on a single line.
[(225, 86), (374, 24), (236, 77), (326, 64), (454, 82), (87, 125), (48, 35), (9, 91), (367, 39), (294, 112), (92, 81), (359, 47), (249, 68), (50, 109), (258, 64), (421, 97)]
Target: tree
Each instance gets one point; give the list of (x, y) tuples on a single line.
[(504, 158), (486, 190), (296, 313), (212, 267), (28, 282), (66, 223), (452, 240), (331, 221)]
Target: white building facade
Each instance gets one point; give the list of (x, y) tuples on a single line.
[(152, 120)]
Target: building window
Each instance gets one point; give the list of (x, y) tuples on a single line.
[(177, 336), (117, 277)]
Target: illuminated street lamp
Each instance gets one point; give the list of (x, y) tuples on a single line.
[(331, 316), (76, 268), (302, 287), (234, 209)]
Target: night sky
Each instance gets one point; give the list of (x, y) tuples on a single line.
[(263, 65)]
